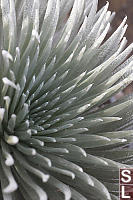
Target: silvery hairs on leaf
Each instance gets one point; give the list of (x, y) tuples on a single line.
[(58, 140)]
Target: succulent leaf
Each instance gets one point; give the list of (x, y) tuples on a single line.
[(58, 138)]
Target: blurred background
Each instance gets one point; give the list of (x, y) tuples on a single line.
[(122, 8)]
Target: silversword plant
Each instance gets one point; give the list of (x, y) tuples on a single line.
[(58, 138)]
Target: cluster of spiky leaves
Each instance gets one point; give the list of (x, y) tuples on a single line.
[(57, 138)]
